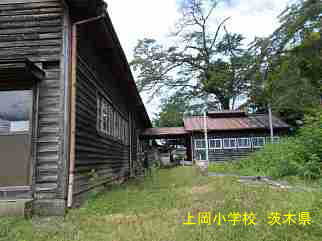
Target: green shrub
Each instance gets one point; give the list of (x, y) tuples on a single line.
[(311, 134), (300, 155)]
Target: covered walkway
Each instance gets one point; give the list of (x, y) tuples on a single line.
[(178, 134)]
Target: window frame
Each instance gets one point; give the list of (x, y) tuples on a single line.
[(116, 124), (32, 91), (256, 138), (200, 140), (276, 140), (104, 117), (244, 147), (229, 147), (215, 147)]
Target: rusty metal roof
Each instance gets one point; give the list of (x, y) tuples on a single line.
[(164, 131), (232, 123)]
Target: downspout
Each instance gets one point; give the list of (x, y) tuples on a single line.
[(73, 90)]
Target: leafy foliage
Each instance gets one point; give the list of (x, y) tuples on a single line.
[(287, 71), (172, 112), (194, 61), (300, 155)]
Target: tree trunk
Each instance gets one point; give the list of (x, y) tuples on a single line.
[(225, 103)]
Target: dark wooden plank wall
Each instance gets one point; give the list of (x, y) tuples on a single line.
[(231, 154), (99, 159), (33, 29)]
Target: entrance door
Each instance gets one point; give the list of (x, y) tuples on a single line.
[(15, 137)]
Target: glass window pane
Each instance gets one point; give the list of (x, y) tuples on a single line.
[(226, 143), (15, 109), (200, 144), (258, 141), (200, 155), (276, 139), (215, 144), (233, 143), (243, 142)]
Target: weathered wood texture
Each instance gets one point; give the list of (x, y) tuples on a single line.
[(34, 30), (100, 159)]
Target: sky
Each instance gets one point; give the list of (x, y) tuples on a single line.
[(134, 20)]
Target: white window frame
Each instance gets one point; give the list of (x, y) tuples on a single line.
[(244, 147), (229, 140), (115, 125), (215, 141), (103, 115), (200, 140), (258, 137), (276, 139)]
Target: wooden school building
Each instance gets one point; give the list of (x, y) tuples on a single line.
[(70, 112), (231, 135)]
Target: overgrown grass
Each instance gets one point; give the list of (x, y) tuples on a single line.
[(296, 156), (225, 168), (154, 210)]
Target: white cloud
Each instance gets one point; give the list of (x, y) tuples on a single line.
[(258, 7), (134, 20)]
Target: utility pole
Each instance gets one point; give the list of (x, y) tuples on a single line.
[(270, 122), (206, 136)]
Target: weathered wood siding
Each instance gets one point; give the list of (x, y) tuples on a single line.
[(99, 158), (34, 30)]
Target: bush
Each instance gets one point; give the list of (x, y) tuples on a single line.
[(300, 155)]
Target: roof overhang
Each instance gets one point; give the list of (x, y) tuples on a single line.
[(21, 72), (164, 133), (108, 44), (82, 9)]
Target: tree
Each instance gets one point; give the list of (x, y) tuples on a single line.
[(287, 71), (172, 112), (193, 64)]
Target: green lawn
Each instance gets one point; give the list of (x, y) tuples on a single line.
[(225, 168), (155, 209)]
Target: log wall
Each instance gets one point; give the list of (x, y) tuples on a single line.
[(100, 159), (34, 30)]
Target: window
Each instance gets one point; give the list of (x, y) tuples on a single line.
[(112, 113), (105, 124), (258, 142), (15, 110), (200, 154), (230, 143), (200, 144), (116, 125), (276, 139), (110, 122), (215, 144), (244, 143)]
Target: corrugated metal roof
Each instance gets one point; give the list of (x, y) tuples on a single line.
[(232, 123), (164, 131)]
